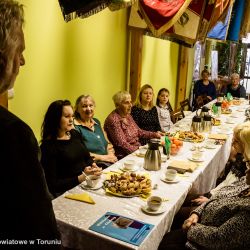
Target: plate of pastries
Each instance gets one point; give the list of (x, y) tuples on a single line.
[(128, 184), (191, 136)]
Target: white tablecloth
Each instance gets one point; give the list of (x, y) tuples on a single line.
[(74, 218)]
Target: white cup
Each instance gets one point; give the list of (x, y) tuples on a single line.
[(92, 180), (154, 202), (129, 164), (196, 155), (142, 150), (170, 174)]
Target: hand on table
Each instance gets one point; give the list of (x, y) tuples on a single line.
[(93, 170), (200, 200), (191, 221), (109, 158)]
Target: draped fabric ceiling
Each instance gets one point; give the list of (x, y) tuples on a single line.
[(183, 21)]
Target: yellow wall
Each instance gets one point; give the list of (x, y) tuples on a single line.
[(84, 56), (64, 60), (159, 65)]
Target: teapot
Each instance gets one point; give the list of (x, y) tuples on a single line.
[(197, 124), (152, 159)]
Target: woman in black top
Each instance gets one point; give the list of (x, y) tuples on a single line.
[(65, 158), (145, 113)]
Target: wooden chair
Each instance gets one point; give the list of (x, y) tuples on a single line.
[(176, 116), (185, 106)]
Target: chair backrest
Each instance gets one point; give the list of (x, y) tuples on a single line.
[(176, 116), (185, 106)]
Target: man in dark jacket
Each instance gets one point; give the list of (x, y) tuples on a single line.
[(27, 217)]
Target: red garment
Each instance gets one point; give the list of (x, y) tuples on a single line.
[(124, 134)]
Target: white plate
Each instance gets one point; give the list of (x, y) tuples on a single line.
[(210, 146), (230, 122), (97, 186), (146, 210), (129, 170), (195, 160), (176, 180)]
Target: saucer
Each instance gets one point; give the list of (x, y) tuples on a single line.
[(97, 186), (195, 160), (210, 146), (129, 170), (146, 210), (230, 122), (176, 180)]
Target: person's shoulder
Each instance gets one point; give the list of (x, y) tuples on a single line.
[(97, 121), (74, 133), (12, 123), (113, 116)]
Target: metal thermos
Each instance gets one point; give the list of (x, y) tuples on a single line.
[(218, 105), (197, 124), (207, 123), (152, 159)]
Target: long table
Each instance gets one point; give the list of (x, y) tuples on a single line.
[(74, 217)]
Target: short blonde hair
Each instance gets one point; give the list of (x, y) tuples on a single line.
[(77, 103), (235, 75), (11, 18), (242, 134), (244, 137), (138, 101), (119, 97)]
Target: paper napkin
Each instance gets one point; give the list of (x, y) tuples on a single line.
[(80, 197)]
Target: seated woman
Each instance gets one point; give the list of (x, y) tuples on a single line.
[(223, 222), (121, 129), (164, 109), (235, 89), (204, 88), (145, 113), (65, 158), (234, 171), (90, 129)]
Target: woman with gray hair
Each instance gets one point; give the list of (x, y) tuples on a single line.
[(26, 213), (235, 89), (92, 133), (121, 129)]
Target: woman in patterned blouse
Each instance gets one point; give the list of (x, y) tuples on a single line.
[(145, 113), (164, 109), (122, 130), (223, 222)]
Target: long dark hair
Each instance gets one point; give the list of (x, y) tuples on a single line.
[(158, 101), (52, 118)]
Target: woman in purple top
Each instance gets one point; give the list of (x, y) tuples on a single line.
[(204, 88)]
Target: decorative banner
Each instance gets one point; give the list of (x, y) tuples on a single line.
[(162, 15), (120, 4), (245, 25), (219, 31), (72, 9), (220, 12), (206, 19), (236, 18), (184, 31)]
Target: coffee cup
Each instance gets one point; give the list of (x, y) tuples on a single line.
[(142, 150), (129, 164), (154, 202), (196, 155), (170, 174), (92, 180)]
